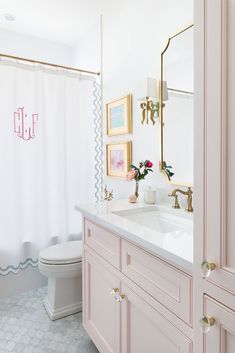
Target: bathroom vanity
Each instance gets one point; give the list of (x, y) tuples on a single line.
[(137, 277)]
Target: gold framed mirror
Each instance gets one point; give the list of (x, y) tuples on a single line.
[(176, 108)]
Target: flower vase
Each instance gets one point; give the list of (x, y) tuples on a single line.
[(137, 188)]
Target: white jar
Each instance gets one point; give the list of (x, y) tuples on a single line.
[(150, 196)]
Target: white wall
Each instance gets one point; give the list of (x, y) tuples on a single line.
[(86, 54), (16, 44), (134, 34)]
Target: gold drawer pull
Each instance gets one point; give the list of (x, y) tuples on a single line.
[(113, 291), (121, 298), (207, 268), (206, 323)]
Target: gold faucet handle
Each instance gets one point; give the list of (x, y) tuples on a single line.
[(190, 191), (189, 207), (176, 202)]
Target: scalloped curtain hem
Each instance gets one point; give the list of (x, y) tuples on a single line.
[(15, 269)]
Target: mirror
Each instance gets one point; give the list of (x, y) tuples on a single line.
[(176, 108)]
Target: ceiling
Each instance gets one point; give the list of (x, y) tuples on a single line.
[(62, 21)]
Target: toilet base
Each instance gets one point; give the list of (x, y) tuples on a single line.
[(62, 312), (64, 297)]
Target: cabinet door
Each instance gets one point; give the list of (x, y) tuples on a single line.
[(219, 142), (214, 192), (101, 313), (221, 337), (145, 330)]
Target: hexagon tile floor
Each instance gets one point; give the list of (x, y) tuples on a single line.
[(26, 328)]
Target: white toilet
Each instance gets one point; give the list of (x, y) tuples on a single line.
[(62, 264)]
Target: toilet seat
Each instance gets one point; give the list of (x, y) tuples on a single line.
[(62, 254)]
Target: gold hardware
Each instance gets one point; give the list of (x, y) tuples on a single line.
[(115, 294), (148, 111), (188, 193), (206, 323), (207, 268), (161, 105), (176, 202), (108, 195), (122, 297), (48, 64), (113, 291)]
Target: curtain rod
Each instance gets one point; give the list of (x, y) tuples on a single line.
[(49, 64)]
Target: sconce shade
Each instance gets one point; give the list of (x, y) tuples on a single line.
[(165, 91), (151, 87)]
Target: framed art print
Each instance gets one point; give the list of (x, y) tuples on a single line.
[(118, 158), (119, 116)]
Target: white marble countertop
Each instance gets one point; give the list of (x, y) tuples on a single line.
[(175, 247)]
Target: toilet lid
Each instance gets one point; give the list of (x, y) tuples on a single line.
[(63, 253)]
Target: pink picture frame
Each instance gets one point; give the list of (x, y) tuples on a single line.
[(118, 158)]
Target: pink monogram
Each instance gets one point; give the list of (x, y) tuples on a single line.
[(24, 125)]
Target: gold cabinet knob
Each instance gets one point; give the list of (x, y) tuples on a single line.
[(206, 323), (207, 268), (113, 291), (121, 297)]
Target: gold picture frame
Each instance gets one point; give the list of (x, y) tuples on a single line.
[(118, 158), (119, 116)]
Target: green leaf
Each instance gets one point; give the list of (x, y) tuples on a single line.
[(133, 167), (169, 172)]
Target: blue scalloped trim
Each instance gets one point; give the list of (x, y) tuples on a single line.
[(21, 266), (97, 108)]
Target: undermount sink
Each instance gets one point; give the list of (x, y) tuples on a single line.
[(156, 219), (159, 229)]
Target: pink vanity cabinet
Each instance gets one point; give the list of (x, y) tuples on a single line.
[(214, 192), (133, 302)]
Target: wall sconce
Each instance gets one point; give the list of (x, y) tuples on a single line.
[(150, 104)]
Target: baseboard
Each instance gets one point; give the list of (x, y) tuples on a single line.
[(62, 312)]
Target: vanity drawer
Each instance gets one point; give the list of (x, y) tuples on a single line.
[(166, 284), (103, 242)]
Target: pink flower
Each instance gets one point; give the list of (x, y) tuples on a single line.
[(148, 164), (131, 175)]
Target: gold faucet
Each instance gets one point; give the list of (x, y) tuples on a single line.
[(188, 193), (108, 194)]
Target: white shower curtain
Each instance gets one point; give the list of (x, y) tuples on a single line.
[(47, 159)]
